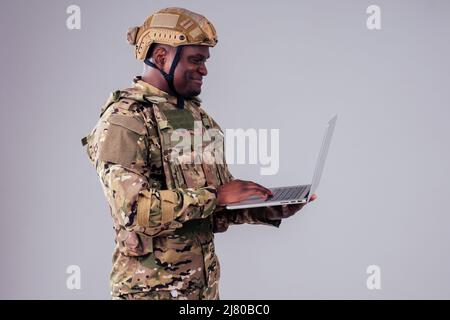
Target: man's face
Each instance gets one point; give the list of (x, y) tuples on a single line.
[(190, 70)]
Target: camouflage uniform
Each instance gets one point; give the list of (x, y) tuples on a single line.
[(164, 212)]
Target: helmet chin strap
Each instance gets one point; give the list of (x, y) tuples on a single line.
[(171, 75)]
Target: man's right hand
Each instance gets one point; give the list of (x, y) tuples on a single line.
[(239, 190)]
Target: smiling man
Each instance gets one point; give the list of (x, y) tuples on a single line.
[(165, 211)]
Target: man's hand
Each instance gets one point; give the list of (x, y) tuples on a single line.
[(239, 190), (285, 211)]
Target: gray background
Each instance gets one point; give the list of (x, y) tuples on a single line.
[(279, 64)]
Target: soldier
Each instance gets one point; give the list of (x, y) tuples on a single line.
[(165, 211)]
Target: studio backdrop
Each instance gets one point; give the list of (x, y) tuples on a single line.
[(380, 226)]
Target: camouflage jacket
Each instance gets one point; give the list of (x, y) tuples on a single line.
[(164, 213)]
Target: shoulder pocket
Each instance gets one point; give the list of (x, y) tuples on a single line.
[(123, 141)]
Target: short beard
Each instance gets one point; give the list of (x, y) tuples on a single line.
[(193, 94)]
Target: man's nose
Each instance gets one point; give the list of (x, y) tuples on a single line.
[(202, 69)]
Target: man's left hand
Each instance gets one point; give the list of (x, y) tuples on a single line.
[(285, 211)]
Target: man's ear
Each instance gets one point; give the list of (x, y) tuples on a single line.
[(160, 57)]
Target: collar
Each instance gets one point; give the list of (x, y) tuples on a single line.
[(151, 90)]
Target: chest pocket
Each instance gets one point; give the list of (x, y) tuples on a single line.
[(182, 147), (180, 119)]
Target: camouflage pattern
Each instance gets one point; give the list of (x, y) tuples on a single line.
[(164, 211)]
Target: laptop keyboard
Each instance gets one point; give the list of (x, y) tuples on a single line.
[(287, 193)]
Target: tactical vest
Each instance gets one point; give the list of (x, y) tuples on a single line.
[(179, 172)]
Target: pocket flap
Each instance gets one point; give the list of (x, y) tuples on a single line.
[(131, 123)]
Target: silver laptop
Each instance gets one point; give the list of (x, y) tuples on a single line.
[(294, 194)]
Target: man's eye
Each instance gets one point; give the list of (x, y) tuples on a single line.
[(196, 60)]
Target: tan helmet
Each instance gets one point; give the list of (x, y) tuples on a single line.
[(174, 27)]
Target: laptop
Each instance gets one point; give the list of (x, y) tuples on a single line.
[(293, 194)]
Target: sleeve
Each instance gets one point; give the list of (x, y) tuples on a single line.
[(122, 166), (224, 218)]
